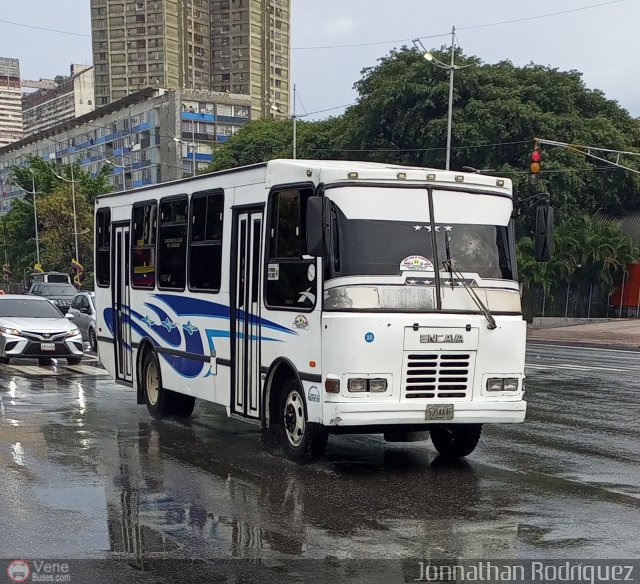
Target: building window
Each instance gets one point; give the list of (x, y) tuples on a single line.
[(205, 242), (172, 243), (143, 245)]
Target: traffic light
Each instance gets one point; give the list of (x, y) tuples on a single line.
[(535, 166), (6, 272)]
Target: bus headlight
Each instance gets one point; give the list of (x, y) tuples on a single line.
[(357, 385), (494, 384), (502, 384), (377, 385), (510, 384)]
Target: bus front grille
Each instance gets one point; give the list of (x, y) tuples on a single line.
[(438, 375)]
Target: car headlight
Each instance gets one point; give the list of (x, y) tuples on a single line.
[(9, 331), (73, 332), (494, 384)]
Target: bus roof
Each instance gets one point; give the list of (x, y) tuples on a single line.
[(281, 171)]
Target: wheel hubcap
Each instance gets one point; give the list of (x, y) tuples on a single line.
[(294, 422), (152, 383)]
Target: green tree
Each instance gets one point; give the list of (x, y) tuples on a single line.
[(497, 112), (267, 139), (17, 226)]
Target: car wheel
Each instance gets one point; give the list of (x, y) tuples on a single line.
[(44, 361), (162, 403), (302, 441), (74, 360), (4, 360), (93, 342)]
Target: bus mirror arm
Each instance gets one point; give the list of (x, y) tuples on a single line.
[(543, 241), (318, 214)]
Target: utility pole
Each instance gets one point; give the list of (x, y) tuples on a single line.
[(452, 69), (295, 129)]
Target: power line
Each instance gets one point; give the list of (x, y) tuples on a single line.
[(540, 15), (77, 34), (470, 27), (467, 147)]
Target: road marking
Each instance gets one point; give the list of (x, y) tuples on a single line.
[(576, 367), (534, 345), (34, 370)]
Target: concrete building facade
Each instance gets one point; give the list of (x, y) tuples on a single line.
[(235, 46), (11, 128), (72, 98), (151, 136)]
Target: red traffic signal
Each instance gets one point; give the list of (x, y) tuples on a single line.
[(536, 157)]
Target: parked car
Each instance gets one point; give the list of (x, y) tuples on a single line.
[(83, 313), (33, 327), (60, 294)]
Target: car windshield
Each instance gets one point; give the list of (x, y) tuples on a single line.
[(59, 289), (27, 308)]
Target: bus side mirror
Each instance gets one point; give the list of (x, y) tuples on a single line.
[(544, 233), (318, 213)]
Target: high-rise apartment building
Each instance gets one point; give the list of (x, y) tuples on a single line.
[(10, 101), (71, 98), (237, 46)]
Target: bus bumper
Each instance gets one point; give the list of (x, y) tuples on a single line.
[(341, 414)]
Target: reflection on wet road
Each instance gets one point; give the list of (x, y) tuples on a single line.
[(86, 473)]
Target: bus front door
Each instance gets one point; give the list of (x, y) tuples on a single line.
[(121, 304), (245, 320)]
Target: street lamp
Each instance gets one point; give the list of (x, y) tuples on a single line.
[(193, 146), (35, 211), (452, 68), (73, 200)]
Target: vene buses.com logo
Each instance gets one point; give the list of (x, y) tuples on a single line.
[(18, 571)]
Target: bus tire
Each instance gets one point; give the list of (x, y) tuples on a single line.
[(302, 441), (455, 440), (162, 403)]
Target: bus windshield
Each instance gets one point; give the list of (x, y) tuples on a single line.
[(383, 234)]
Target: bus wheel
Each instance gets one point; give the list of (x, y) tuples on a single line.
[(302, 441), (163, 403), (455, 440)]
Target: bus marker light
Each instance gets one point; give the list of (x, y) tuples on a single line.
[(312, 364), (332, 385), (352, 175)]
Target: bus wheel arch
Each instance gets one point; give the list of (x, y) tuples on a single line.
[(145, 346), (281, 371), (288, 419)]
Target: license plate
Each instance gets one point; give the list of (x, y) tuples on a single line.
[(439, 412), (47, 346)]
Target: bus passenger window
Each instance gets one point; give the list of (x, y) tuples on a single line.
[(205, 242), (103, 247), (172, 243), (143, 252)]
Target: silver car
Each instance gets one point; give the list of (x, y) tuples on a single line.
[(83, 313), (33, 328)]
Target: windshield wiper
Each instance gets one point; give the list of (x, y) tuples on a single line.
[(476, 299)]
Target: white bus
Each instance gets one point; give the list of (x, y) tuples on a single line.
[(316, 297)]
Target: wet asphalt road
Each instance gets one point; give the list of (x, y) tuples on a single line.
[(85, 473)]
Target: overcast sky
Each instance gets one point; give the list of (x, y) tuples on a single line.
[(602, 42)]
